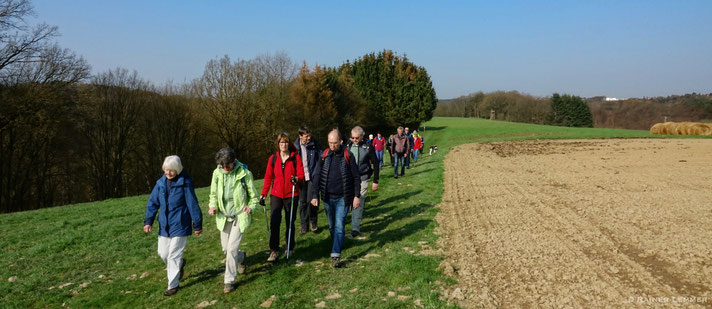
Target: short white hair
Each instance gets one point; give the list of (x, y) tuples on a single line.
[(358, 130), (173, 163)]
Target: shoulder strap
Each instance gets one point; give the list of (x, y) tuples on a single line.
[(347, 157), (244, 184), (326, 151), (274, 159)]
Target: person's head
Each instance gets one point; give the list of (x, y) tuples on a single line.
[(370, 137), (283, 142), (172, 166), (334, 140), (304, 135), (378, 133), (400, 130), (407, 130), (226, 159), (415, 132), (357, 134)]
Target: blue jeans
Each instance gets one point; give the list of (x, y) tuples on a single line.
[(398, 160), (336, 211), (415, 155), (379, 155)]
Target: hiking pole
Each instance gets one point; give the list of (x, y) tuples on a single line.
[(264, 209), (291, 213)]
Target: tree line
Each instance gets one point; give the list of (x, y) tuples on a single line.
[(67, 136), (561, 110), (642, 113)]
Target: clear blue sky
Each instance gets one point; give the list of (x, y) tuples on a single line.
[(586, 48)]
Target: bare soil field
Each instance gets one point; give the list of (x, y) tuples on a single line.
[(579, 223)]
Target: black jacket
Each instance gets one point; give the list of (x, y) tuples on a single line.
[(367, 161), (350, 178)]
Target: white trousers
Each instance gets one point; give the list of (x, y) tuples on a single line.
[(170, 249), (230, 238)]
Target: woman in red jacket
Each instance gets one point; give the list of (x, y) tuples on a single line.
[(284, 173)]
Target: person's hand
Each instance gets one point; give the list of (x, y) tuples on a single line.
[(212, 211), (247, 209), (262, 200), (357, 202), (147, 228), (294, 180), (315, 202), (197, 233), (391, 155), (374, 186)]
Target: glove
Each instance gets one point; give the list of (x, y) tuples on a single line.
[(262, 200), (294, 180)]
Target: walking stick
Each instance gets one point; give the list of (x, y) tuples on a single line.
[(264, 209), (291, 213)]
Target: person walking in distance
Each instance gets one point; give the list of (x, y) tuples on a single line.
[(339, 184), (367, 163), (399, 151), (233, 198), (379, 144), (409, 135), (284, 173), (309, 150)]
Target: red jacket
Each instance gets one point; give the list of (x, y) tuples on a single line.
[(378, 144), (418, 143), (279, 179)]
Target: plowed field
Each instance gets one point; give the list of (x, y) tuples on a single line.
[(579, 223)]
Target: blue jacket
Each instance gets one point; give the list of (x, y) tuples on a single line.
[(176, 209), (312, 155)]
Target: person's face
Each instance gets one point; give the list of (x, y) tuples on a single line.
[(334, 142), (283, 145), (407, 130), (170, 174), (379, 135), (356, 138), (228, 167), (305, 138), (400, 131)]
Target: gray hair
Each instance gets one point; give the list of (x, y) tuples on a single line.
[(225, 156), (173, 163), (400, 128), (358, 129)]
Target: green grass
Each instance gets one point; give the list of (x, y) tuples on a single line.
[(78, 243)]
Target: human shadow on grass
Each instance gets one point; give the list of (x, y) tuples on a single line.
[(422, 171)]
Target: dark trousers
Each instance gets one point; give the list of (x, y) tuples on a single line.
[(275, 208), (307, 212), (406, 162)]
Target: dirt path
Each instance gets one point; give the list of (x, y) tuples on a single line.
[(589, 223)]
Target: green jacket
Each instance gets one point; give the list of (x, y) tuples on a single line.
[(217, 186)]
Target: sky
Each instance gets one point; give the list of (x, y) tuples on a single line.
[(620, 49)]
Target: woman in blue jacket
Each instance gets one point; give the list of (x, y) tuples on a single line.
[(173, 198)]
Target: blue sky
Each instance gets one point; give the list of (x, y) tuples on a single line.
[(587, 48)]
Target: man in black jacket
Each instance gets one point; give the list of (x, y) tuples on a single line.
[(367, 162), (338, 182), (310, 151)]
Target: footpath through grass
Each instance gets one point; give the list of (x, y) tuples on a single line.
[(96, 254)]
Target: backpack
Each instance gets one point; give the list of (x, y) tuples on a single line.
[(294, 162), (346, 155)]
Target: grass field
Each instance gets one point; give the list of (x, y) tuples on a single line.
[(96, 254)]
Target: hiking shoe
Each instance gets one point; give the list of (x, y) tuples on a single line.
[(314, 229), (241, 268), (395, 177), (171, 292), (273, 255), (335, 262), (355, 233), (303, 231), (182, 266), (229, 287)]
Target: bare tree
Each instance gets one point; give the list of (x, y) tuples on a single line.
[(20, 43)]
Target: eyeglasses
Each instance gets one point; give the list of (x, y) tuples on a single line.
[(357, 137)]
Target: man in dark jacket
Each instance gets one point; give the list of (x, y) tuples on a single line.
[(337, 180), (399, 151), (408, 134), (310, 151), (367, 162)]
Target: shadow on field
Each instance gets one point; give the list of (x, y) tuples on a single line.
[(433, 129), (422, 171)]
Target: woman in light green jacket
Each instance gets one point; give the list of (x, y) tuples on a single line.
[(233, 198)]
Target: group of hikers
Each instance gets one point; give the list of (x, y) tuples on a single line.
[(299, 170)]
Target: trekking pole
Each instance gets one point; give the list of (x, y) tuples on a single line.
[(291, 213), (264, 209)]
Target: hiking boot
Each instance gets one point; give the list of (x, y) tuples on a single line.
[(303, 231), (335, 262), (229, 287), (314, 229), (171, 292), (395, 177), (273, 255), (355, 233), (241, 268), (182, 266)]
